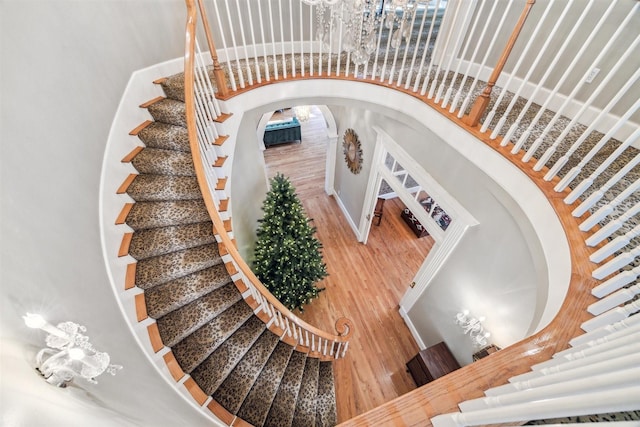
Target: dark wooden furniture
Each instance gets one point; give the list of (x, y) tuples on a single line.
[(281, 132), (431, 363), (377, 211), (413, 223)]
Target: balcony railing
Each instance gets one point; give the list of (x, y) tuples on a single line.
[(552, 82)]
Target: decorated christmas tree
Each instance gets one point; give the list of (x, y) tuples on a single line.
[(287, 258)]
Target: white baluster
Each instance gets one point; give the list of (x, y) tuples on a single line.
[(406, 49), (629, 339), (224, 47), (386, 54), (608, 365), (601, 333), (623, 399), (622, 61), (283, 55), (616, 282), (244, 44), (256, 60), (274, 48), (615, 245), (612, 226), (609, 207), (608, 381), (588, 182), (453, 54), (613, 300), (612, 337), (496, 31), (611, 316), (345, 348), (301, 25), (541, 84), (566, 72), (407, 82), (293, 48), (616, 263), (234, 45), (471, 62), (416, 84), (565, 366), (443, 51), (541, 23), (267, 74), (602, 114), (573, 173)]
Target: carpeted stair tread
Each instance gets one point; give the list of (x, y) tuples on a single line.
[(256, 405), (238, 383), (164, 187), (284, 402), (169, 111), (172, 295), (165, 136), (164, 162), (212, 371), (326, 412), (180, 323), (173, 87), (305, 414), (166, 213), (164, 268), (159, 241), (195, 348)]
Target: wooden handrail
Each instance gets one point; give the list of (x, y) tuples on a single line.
[(218, 74), (482, 101), (344, 327)]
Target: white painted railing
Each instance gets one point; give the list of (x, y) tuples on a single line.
[(548, 106)]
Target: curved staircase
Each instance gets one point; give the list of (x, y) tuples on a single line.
[(252, 376)]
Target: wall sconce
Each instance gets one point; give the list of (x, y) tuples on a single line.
[(473, 327), (68, 354)]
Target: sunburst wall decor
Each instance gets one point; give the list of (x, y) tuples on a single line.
[(352, 151)]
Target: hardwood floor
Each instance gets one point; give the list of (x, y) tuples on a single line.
[(365, 282)]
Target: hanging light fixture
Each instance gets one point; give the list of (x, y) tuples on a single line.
[(473, 327), (302, 112), (68, 354), (358, 23)]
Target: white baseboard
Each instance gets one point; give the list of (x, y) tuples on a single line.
[(412, 328), (352, 224)]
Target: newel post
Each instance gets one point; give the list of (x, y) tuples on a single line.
[(218, 73), (482, 101)]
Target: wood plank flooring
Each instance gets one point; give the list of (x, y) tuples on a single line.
[(365, 282)]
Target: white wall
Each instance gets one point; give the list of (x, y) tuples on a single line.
[(65, 65)]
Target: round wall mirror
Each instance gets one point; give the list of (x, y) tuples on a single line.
[(352, 151)]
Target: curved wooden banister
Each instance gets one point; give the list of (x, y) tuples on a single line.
[(344, 327)]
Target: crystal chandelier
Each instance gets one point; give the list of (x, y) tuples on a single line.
[(354, 26), (69, 353), (302, 112)]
